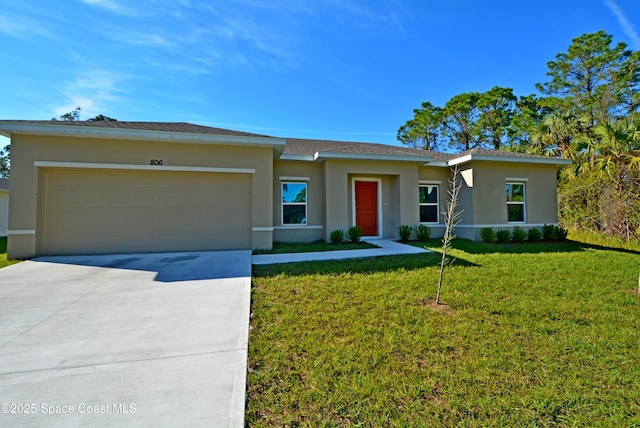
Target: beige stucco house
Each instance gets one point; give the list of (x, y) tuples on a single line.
[(107, 187)]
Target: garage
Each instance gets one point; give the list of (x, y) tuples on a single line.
[(100, 211)]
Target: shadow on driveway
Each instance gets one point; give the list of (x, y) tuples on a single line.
[(170, 267)]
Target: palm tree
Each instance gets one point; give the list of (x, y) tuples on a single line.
[(558, 135), (618, 162)]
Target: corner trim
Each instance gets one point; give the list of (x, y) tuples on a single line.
[(21, 232), (262, 229)]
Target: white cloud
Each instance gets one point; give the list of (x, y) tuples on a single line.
[(627, 27), (23, 28), (112, 6), (150, 40), (94, 92)]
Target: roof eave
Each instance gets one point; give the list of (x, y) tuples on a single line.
[(12, 128), (370, 156), (514, 159)]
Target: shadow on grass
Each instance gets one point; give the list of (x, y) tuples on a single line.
[(567, 246), (363, 265)]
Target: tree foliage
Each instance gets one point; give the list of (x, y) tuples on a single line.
[(5, 161), (588, 111)]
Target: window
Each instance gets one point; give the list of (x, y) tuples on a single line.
[(515, 202), (294, 203), (429, 207)]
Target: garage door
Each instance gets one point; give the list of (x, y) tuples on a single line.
[(110, 211)]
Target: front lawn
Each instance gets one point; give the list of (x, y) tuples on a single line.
[(538, 335), (3, 253)]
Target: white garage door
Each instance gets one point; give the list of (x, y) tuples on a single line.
[(110, 211)]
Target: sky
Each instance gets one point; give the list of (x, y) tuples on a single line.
[(339, 70)]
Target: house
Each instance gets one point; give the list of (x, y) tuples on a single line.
[(107, 187), (4, 206)]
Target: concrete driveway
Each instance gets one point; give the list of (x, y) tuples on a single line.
[(125, 340)]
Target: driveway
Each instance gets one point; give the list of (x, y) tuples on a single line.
[(125, 340)]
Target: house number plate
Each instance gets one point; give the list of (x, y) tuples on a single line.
[(155, 162)]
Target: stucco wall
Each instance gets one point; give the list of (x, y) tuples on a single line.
[(26, 149), (488, 200), (399, 197), (310, 173)]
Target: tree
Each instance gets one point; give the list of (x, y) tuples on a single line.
[(424, 131), (460, 121), (5, 161), (597, 81), (451, 219), (618, 165), (75, 116), (496, 110), (529, 113)]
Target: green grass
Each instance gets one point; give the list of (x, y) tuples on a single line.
[(308, 247), (541, 334), (3, 254)]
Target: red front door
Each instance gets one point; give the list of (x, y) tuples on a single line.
[(367, 207)]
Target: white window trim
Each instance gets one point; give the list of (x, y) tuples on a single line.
[(283, 203), (435, 184), (523, 203), (353, 203)]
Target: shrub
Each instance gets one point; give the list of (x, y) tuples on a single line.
[(561, 233), (487, 234), (337, 236), (518, 234), (405, 232), (548, 231), (423, 232), (354, 233), (503, 235), (534, 234)]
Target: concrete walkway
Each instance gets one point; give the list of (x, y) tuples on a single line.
[(153, 340), (387, 248)]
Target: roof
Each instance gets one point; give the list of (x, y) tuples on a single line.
[(306, 149), (285, 148), (142, 126), (478, 154), (178, 132), (4, 184)]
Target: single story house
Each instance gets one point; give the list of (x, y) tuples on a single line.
[(4, 206), (110, 187)]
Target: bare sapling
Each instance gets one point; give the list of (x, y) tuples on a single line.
[(451, 219)]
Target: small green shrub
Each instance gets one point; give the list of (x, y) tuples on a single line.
[(503, 235), (518, 234), (423, 232), (354, 233), (487, 234), (561, 233), (548, 231), (405, 232), (337, 236), (534, 234)]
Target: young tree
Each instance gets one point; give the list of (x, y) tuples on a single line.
[(451, 219)]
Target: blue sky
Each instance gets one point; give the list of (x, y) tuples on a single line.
[(345, 70)]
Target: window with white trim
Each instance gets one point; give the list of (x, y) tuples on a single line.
[(429, 203), (294, 203), (516, 207)]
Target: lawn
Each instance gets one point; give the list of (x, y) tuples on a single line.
[(538, 335), (3, 253)]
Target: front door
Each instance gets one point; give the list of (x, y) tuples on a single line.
[(367, 207)]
